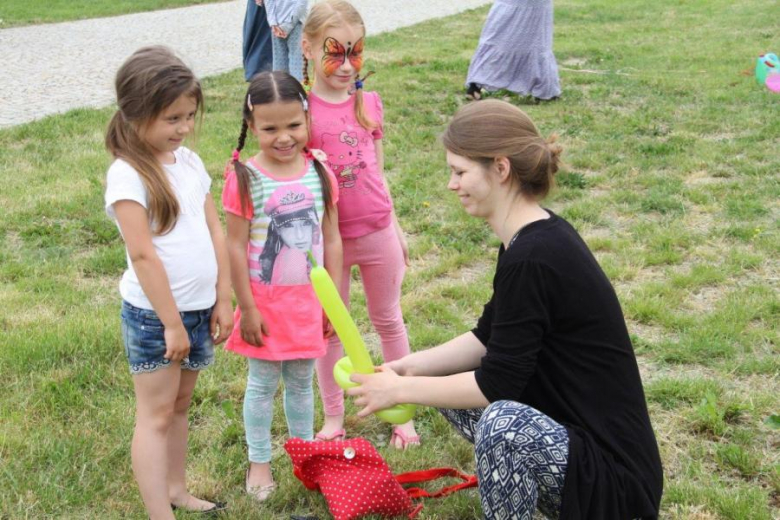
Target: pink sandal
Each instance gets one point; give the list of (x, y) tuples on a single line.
[(406, 440), (338, 435)]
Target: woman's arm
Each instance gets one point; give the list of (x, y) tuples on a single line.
[(222, 316), (386, 388), (334, 254), (252, 326), (380, 164), (460, 354), (442, 376), (133, 220)]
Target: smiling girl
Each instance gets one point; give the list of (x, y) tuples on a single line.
[(174, 309), (280, 205)]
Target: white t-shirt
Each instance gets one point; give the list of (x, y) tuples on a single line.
[(187, 251)]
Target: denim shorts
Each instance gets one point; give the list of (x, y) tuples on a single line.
[(143, 333)]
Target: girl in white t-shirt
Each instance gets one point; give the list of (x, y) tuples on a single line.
[(176, 289)]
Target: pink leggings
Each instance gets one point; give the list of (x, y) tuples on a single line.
[(381, 263)]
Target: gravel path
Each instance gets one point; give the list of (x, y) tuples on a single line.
[(47, 69)]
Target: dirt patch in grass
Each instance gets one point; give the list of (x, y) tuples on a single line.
[(704, 299), (574, 62), (702, 178)]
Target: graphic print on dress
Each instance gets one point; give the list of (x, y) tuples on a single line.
[(345, 157), (292, 232)]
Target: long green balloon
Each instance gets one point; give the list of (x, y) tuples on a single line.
[(358, 359), (340, 319)]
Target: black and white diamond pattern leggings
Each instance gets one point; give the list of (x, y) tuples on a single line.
[(521, 456)]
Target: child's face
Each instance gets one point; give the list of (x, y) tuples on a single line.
[(338, 58), (281, 130), (167, 131), (297, 234)]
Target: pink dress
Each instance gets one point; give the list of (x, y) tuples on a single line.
[(286, 222)]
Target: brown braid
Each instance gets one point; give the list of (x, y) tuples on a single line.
[(242, 172)]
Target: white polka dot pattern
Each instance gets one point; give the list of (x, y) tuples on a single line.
[(351, 474)]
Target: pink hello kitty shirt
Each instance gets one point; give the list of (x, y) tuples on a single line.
[(364, 204)]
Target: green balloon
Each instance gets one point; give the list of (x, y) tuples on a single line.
[(357, 359)]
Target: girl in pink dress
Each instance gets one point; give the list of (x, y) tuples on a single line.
[(280, 207)]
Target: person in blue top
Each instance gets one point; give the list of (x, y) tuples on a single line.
[(546, 385), (257, 49), (286, 17)]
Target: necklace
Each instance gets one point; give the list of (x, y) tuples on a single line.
[(517, 233), (514, 237)]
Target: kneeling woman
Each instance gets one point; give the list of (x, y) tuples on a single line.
[(546, 385)]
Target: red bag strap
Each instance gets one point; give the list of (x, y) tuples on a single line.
[(433, 474)]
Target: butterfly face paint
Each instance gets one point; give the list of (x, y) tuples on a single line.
[(335, 55)]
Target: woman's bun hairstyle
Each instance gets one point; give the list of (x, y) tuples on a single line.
[(485, 130)]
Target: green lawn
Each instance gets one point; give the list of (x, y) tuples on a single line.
[(16, 12), (672, 178)]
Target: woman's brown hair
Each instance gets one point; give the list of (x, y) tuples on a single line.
[(272, 87), (485, 130), (327, 15), (147, 83)]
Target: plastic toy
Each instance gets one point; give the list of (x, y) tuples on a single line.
[(357, 358), (767, 68)]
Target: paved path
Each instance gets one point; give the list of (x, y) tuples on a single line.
[(53, 68)]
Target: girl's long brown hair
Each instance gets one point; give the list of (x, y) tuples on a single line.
[(485, 130), (147, 83), (272, 87), (326, 15)]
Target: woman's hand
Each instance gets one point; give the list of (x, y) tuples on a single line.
[(253, 328), (221, 324), (376, 391), (399, 366), (177, 342)]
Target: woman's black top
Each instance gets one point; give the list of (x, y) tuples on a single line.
[(556, 340)]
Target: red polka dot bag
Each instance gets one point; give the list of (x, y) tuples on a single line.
[(356, 481)]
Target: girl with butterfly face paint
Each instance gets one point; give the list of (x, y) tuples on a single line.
[(347, 126)]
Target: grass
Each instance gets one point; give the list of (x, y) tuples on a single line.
[(14, 13), (671, 178)]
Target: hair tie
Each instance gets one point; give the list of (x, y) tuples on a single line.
[(249, 102), (307, 153), (304, 102), (236, 155), (359, 81)]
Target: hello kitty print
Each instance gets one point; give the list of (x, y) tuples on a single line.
[(345, 157), (364, 204)]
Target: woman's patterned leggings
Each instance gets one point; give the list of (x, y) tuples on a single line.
[(521, 456), (298, 402)]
